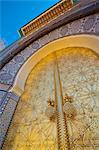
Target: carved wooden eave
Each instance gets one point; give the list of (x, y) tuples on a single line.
[(46, 17), (76, 12)]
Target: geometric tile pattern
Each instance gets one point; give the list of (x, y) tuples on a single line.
[(13, 96), (88, 24), (5, 99), (3, 96), (6, 118), (2, 93), (3, 103), (4, 87)]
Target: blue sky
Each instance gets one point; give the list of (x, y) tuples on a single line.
[(16, 13)]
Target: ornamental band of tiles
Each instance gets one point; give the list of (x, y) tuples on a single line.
[(63, 20)]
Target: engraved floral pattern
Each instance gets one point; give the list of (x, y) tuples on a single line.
[(79, 72)]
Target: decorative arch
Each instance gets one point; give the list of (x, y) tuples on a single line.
[(84, 40)]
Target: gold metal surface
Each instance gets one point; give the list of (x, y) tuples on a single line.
[(62, 129), (31, 129)]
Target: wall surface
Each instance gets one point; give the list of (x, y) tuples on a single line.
[(8, 100)]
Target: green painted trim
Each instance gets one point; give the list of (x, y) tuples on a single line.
[(20, 32), (75, 1)]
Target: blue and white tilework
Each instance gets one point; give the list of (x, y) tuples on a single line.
[(88, 24), (3, 103), (6, 118)]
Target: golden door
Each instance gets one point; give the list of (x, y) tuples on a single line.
[(75, 82)]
